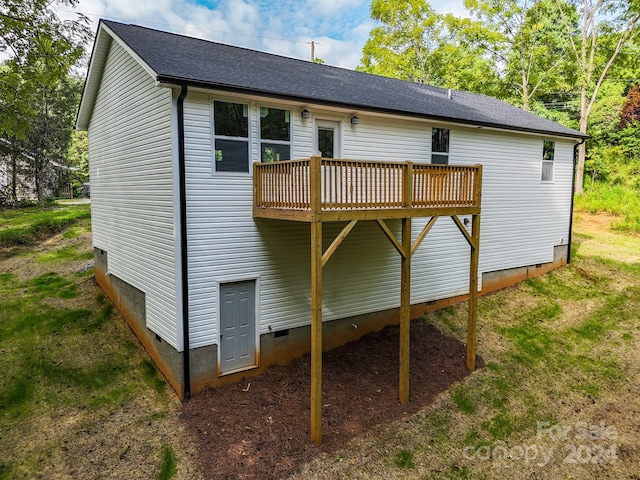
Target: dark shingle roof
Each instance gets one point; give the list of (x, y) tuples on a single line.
[(177, 58)]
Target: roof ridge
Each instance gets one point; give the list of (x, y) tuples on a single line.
[(278, 55), (176, 57)]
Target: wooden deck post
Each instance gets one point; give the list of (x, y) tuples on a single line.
[(316, 303), (316, 332), (473, 293), (405, 310), (405, 286), (473, 275)]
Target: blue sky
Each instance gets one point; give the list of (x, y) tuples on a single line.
[(285, 27)]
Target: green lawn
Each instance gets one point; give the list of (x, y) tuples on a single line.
[(27, 226), (79, 397), (68, 363)]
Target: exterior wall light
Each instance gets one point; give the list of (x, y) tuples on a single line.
[(355, 120), (304, 114)]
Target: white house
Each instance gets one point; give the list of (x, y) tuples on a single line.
[(191, 244)]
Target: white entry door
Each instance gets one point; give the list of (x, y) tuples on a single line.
[(327, 139), (237, 326)]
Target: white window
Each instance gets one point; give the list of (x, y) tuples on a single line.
[(275, 134), (548, 154), (231, 137), (440, 146)]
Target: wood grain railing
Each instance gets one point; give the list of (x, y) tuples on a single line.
[(323, 184)]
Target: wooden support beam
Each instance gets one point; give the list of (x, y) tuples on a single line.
[(473, 293), (405, 310), (337, 241), (391, 236), (463, 230), (316, 332), (423, 234), (473, 274)]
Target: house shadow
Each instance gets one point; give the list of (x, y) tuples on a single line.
[(259, 428)]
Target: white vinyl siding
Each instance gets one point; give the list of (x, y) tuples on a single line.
[(131, 170), (521, 222), (522, 218)]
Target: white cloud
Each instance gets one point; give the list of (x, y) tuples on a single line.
[(331, 8), (283, 27)]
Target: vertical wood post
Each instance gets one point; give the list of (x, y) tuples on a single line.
[(315, 185), (316, 332), (473, 293), (405, 310), (473, 275), (316, 300)]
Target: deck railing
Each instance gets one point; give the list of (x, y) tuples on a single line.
[(321, 184)]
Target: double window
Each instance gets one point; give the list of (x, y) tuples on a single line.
[(231, 135), (548, 154), (440, 146)]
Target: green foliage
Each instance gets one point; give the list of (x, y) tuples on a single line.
[(38, 100), (78, 155), (614, 147), (413, 42), (169, 465), (620, 200), (41, 49), (525, 41), (631, 108)]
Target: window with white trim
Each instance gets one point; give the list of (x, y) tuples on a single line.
[(231, 137), (440, 146), (275, 134), (548, 154)]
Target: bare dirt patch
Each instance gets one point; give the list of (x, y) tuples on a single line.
[(594, 237), (261, 431)]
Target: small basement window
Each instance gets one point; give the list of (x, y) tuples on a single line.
[(275, 134), (231, 137), (548, 154), (440, 146)]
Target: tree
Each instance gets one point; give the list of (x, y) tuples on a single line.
[(413, 42), (42, 49), (49, 135), (605, 28), (631, 108), (525, 43), (78, 156)]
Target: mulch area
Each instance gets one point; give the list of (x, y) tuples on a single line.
[(261, 431)]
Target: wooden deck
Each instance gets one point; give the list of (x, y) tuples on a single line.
[(324, 189), (318, 190)]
